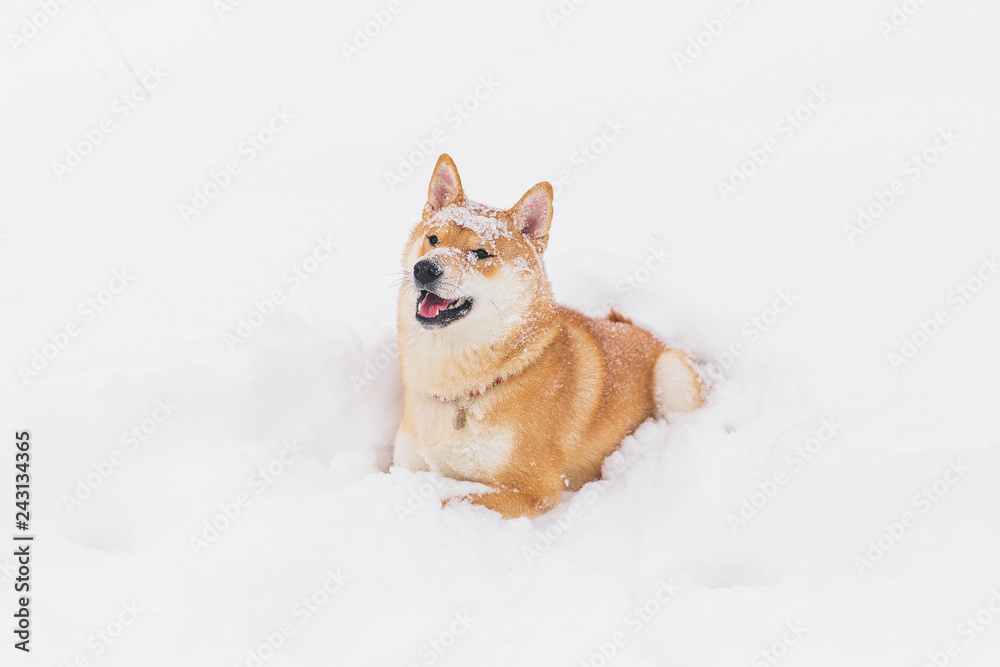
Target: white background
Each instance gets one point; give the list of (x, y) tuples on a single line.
[(124, 536)]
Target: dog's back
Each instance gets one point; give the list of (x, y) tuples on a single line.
[(620, 359)]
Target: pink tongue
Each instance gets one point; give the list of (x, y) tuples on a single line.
[(432, 304)]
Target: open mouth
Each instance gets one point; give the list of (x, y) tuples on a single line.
[(434, 311)]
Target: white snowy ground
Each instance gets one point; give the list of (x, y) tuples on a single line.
[(832, 505)]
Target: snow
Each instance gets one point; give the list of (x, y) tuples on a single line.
[(233, 362), (475, 217)]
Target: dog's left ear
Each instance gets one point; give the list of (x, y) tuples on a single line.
[(533, 214), (446, 186)]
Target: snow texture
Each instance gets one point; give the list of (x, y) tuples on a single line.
[(199, 330), (476, 217)]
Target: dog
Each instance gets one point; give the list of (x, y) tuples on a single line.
[(503, 386)]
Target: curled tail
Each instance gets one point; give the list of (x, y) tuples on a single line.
[(678, 386)]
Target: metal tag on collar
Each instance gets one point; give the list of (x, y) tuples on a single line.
[(460, 418)]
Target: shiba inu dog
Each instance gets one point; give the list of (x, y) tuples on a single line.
[(503, 386)]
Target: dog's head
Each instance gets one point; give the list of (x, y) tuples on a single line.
[(473, 270)]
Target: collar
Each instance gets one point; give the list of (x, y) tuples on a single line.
[(472, 394)]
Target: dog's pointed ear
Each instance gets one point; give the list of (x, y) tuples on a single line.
[(533, 214), (446, 186)]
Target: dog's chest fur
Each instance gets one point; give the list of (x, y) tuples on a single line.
[(475, 453)]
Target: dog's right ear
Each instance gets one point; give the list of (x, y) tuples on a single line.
[(446, 186), (533, 214)]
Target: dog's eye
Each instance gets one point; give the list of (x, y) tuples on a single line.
[(433, 240), (481, 254)]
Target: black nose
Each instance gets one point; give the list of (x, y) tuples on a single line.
[(426, 271)]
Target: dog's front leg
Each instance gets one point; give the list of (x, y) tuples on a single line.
[(406, 453), (513, 502)]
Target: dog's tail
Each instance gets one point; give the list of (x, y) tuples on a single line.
[(678, 385)]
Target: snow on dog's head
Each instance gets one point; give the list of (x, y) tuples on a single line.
[(472, 270)]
